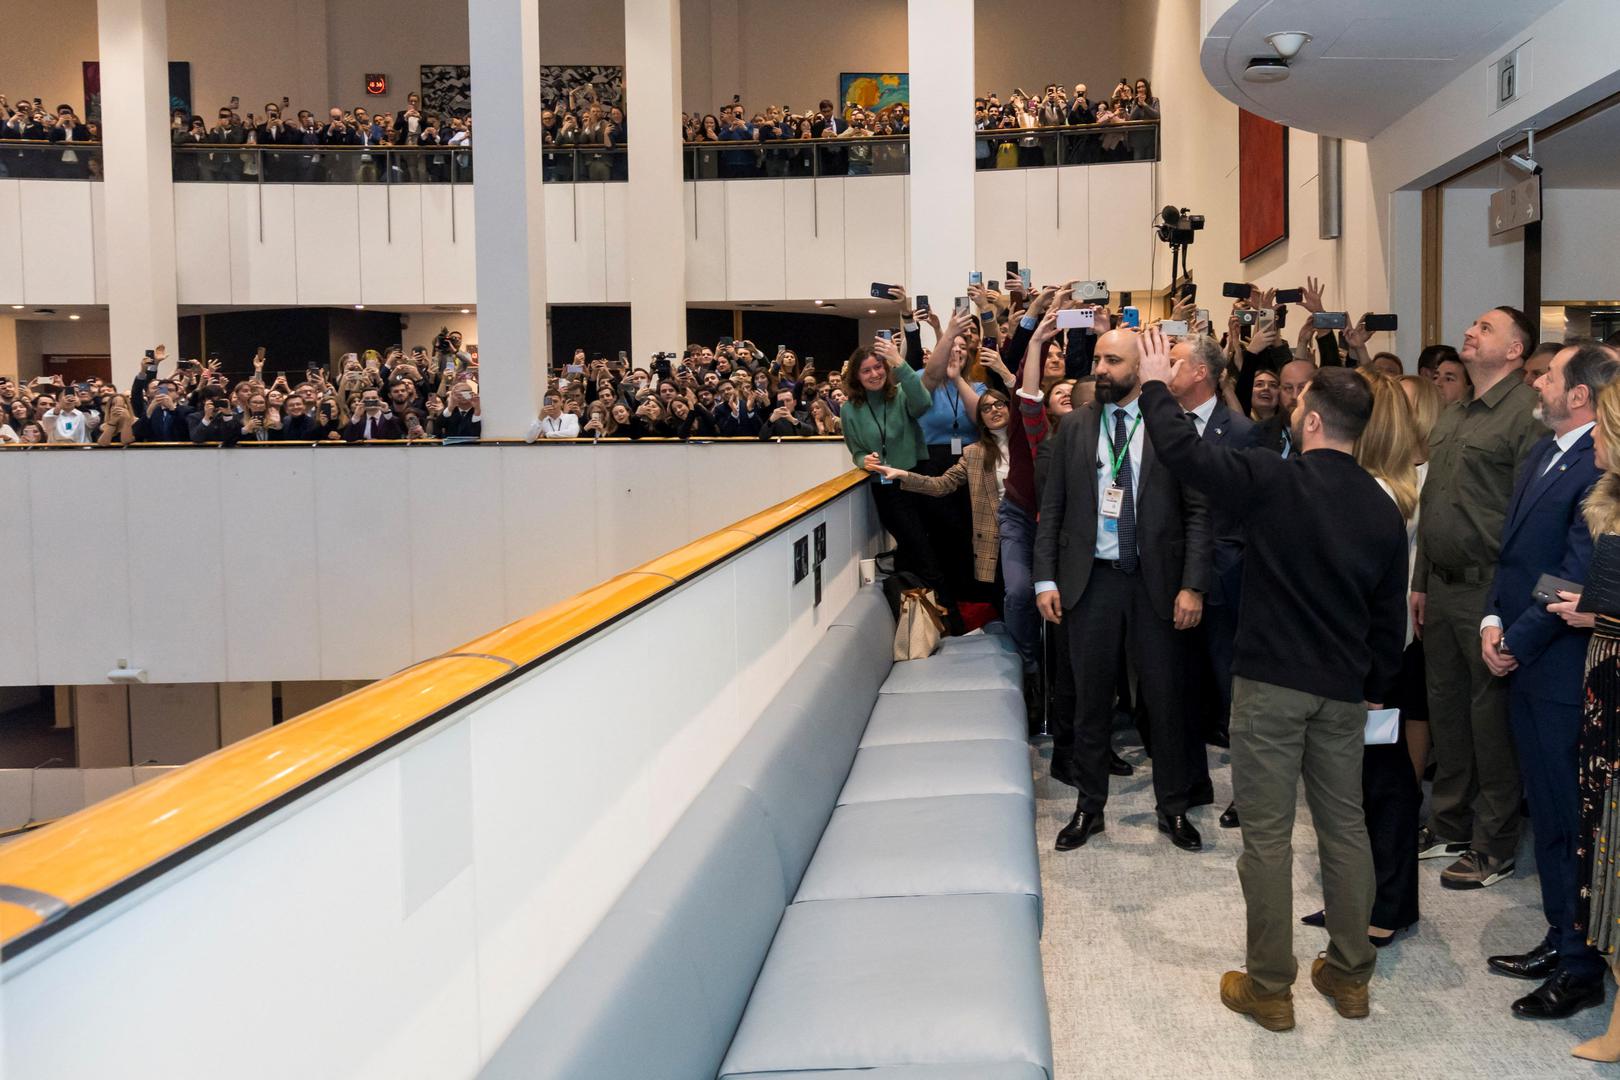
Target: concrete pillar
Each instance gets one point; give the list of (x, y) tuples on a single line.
[(139, 189), (941, 56), (513, 342), (655, 232)]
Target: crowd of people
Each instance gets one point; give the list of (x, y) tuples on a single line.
[(1246, 544), (732, 390)]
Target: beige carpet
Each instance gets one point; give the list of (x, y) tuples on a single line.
[(1137, 935)]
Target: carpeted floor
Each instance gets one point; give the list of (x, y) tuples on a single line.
[(1138, 933)]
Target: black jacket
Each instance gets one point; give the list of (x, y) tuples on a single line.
[(1324, 559), (1172, 521)]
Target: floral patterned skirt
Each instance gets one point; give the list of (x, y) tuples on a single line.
[(1598, 843)]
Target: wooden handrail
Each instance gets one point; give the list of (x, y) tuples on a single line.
[(88, 859)]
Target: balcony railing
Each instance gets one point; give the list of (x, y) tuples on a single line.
[(50, 161), (1019, 148)]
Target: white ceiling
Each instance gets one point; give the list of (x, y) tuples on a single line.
[(1369, 61), (1581, 157)]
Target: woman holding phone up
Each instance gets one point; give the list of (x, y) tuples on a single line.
[(886, 398)]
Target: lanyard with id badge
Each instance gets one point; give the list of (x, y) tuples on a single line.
[(1113, 496), (956, 419), (883, 443)]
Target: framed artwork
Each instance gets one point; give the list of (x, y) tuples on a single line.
[(446, 89), (873, 91), (179, 88), (1262, 184), (602, 83)]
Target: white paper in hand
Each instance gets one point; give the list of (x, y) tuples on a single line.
[(1383, 727)]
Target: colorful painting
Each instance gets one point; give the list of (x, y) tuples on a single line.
[(179, 89), (446, 89), (1262, 184), (873, 91), (601, 83)]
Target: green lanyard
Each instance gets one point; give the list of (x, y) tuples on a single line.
[(1118, 459)]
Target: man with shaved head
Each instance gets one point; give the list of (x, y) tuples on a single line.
[(1474, 454), (1123, 554)]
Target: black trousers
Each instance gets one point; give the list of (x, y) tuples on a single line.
[(950, 521), (1391, 798), (902, 515), (1114, 615)]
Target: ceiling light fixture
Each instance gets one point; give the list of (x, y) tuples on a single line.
[(466, 311), (1265, 69), (16, 307), (820, 302), (1288, 42), (871, 311), (75, 318)]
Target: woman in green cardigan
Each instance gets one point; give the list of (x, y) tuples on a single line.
[(880, 428)]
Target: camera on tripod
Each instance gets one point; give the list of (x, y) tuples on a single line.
[(1176, 227)]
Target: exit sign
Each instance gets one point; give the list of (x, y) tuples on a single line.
[(376, 85)]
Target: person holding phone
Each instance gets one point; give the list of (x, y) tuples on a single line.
[(880, 420)]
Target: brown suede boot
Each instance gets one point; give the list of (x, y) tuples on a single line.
[(1348, 998), (1274, 1012)]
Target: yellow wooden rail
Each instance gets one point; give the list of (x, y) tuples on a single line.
[(145, 830)]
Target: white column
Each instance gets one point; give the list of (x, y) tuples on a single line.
[(940, 36), (513, 343), (655, 229), (139, 189)]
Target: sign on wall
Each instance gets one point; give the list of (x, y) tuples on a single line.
[(873, 91), (376, 85)]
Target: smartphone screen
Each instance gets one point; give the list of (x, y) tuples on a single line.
[(1024, 277), (976, 278)]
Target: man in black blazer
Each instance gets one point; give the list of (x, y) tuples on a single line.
[(1210, 657), (1544, 660), (1123, 551)]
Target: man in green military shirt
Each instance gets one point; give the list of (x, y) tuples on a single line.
[(1474, 454)]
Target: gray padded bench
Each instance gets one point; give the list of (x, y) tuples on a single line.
[(855, 893)]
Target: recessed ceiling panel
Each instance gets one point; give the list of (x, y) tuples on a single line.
[(1414, 38)]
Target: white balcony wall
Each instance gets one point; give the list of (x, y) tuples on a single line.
[(376, 556), (411, 244)]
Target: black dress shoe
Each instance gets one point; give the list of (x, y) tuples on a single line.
[(1389, 938), (1080, 828), (1229, 818), (1318, 918), (1539, 963), (1560, 996), (1220, 739), (1059, 770), (1118, 766), (1181, 832)]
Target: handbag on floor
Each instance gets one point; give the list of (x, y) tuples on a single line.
[(920, 626)]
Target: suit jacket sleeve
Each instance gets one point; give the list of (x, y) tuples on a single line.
[(943, 484), (1200, 533), (1053, 497), (1535, 629)]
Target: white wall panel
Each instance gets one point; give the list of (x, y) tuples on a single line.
[(629, 489), (202, 242), (98, 227), (874, 247), (391, 244), (58, 242), (18, 652), (449, 272), (11, 250), (453, 604), (1056, 225), (271, 631), (756, 242), (813, 221), (1477, 271), (998, 222), (328, 241), (87, 634), (177, 605), (705, 241), (548, 506), (1121, 243), (616, 250), (363, 515), (264, 265), (576, 244), (1074, 231)]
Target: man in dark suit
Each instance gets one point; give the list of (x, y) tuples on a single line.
[(1210, 655), (1124, 552), (370, 422), (1544, 658)]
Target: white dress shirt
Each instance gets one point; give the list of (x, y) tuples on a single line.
[(1108, 539), (1202, 413)]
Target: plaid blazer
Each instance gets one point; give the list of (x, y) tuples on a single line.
[(973, 468)]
